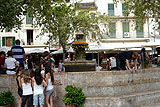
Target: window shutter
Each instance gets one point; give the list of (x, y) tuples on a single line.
[(112, 27), (29, 20), (110, 6), (13, 41), (111, 9), (3, 41), (126, 27), (139, 30), (124, 7)]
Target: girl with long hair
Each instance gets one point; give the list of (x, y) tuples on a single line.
[(38, 83), (49, 88), (27, 95)]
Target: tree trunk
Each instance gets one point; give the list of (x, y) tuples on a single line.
[(64, 52)]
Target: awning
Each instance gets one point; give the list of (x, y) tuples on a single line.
[(34, 50), (5, 49), (60, 51)]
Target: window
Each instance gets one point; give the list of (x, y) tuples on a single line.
[(112, 30), (126, 29), (29, 37), (111, 9), (139, 30), (29, 20), (8, 30), (8, 41), (124, 9)]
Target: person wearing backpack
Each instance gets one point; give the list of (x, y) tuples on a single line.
[(46, 61)]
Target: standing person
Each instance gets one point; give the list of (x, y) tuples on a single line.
[(113, 63), (144, 58), (30, 62), (38, 83), (60, 66), (27, 95), (123, 60), (11, 63), (49, 88), (19, 53), (2, 62), (46, 61), (18, 79)]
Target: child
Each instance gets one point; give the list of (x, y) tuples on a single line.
[(38, 83), (11, 63), (49, 88), (27, 89), (18, 79), (60, 67)]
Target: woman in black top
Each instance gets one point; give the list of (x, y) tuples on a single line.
[(18, 79)]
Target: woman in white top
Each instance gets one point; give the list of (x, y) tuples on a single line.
[(49, 88), (38, 83), (10, 63), (27, 95)]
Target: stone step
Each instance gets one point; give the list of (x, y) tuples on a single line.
[(130, 100), (103, 91), (152, 105), (112, 78)]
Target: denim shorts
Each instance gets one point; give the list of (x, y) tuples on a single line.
[(38, 99), (49, 92)]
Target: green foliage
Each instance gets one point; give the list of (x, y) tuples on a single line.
[(10, 13), (6, 98), (61, 20), (74, 96)]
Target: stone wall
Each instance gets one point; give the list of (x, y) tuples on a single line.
[(103, 88)]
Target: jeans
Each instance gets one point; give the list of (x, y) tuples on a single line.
[(28, 99), (38, 98)]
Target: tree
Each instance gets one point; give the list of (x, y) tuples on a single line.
[(61, 20), (11, 12)]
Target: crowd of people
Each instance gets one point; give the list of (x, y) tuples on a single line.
[(127, 60), (35, 82)]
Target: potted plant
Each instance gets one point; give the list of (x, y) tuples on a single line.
[(74, 96), (6, 99)]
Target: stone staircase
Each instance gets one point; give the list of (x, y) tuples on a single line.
[(103, 88), (119, 88)]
